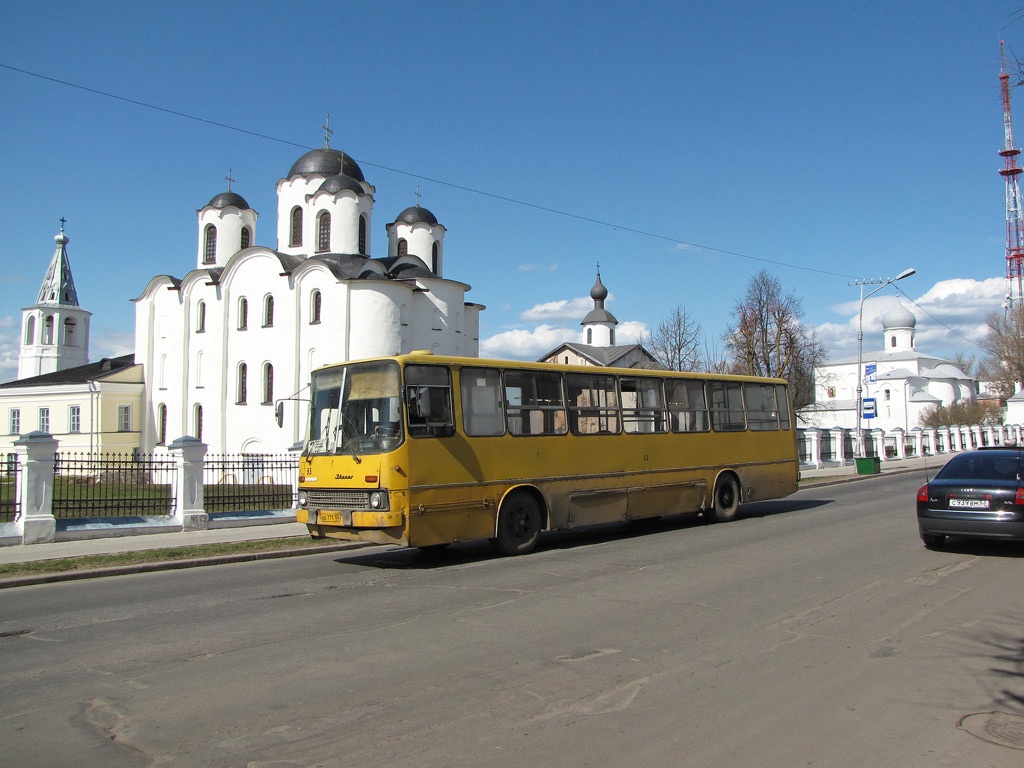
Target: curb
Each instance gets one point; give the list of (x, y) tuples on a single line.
[(173, 565)]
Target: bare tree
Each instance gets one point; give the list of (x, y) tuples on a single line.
[(768, 338), (676, 341), (966, 363), (1004, 350)]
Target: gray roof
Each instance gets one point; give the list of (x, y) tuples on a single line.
[(229, 200), (416, 215), (604, 356), (326, 162), (339, 182), (80, 374), (58, 286)]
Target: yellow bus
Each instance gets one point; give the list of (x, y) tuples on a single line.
[(422, 450)]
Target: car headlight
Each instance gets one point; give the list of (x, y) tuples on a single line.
[(303, 498), (378, 500)]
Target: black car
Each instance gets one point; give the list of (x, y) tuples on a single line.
[(978, 494)]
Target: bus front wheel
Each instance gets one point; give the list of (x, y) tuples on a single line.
[(519, 523), (727, 499)]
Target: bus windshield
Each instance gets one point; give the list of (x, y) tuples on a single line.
[(355, 409)]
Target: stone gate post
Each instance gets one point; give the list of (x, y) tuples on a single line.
[(36, 451), (189, 510)]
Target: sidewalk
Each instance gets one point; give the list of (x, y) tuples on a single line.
[(117, 544)]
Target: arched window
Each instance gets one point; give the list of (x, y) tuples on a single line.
[(403, 247), (48, 330), (611, 337), (296, 238), (69, 331), (243, 313), (268, 384), (314, 308), (161, 424), (30, 330), (246, 237), (433, 259), (210, 249), (362, 234), (197, 421), (243, 372), (201, 317), (892, 341), (268, 311), (323, 239), (590, 335)]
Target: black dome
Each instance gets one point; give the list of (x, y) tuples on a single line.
[(416, 215), (335, 184), (229, 199), (326, 162)]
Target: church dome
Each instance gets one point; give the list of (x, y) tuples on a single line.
[(326, 162), (229, 200), (599, 292), (339, 182), (898, 317), (416, 215)]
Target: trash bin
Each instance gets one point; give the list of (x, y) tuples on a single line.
[(870, 465)]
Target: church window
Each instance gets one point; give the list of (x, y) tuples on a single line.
[(323, 242), (246, 237), (210, 247), (296, 238), (69, 331), (243, 313), (48, 330), (197, 421), (162, 378), (201, 317), (611, 337), (403, 247), (268, 311), (268, 384), (124, 418), (887, 394), (30, 330), (433, 259), (15, 427), (243, 372), (314, 308), (44, 420), (74, 418), (199, 369), (892, 341), (590, 335), (161, 424), (437, 321), (362, 234)]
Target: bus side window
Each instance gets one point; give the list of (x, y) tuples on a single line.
[(481, 402), (782, 398), (726, 406), (762, 412), (593, 404), (688, 406), (428, 401), (643, 405), (534, 404)]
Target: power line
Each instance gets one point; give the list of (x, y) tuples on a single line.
[(449, 184)]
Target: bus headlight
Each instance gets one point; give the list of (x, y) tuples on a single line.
[(303, 498), (378, 500)]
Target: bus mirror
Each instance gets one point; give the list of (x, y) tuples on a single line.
[(279, 413)]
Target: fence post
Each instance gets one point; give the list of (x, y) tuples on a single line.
[(189, 511), (36, 452)]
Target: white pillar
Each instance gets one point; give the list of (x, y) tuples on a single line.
[(901, 443), (839, 445), (36, 524), (189, 512), (813, 447)]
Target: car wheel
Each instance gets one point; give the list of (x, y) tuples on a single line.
[(727, 499), (519, 523), (933, 540)]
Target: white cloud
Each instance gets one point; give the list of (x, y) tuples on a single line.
[(10, 348), (558, 311), (526, 344), (534, 267)]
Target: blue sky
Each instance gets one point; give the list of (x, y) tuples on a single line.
[(683, 145)]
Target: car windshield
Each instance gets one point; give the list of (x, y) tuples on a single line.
[(980, 466), (355, 409)]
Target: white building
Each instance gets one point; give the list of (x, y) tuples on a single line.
[(247, 326), (900, 382)]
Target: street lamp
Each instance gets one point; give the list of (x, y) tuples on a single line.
[(860, 344)]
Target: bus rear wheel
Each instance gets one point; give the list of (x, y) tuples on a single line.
[(519, 523), (727, 499)]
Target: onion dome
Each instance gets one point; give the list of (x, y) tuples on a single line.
[(898, 317), (416, 215), (229, 200), (326, 162), (599, 292), (339, 182)]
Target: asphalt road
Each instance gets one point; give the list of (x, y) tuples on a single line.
[(814, 631)]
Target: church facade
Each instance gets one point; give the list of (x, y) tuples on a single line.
[(244, 329)]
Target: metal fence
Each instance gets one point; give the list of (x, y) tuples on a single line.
[(246, 482), (10, 503), (112, 485)]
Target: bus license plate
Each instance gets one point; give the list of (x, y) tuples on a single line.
[(968, 503), (329, 518)]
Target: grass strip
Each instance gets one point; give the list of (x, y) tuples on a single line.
[(89, 562)]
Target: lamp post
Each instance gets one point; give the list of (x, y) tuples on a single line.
[(860, 344)]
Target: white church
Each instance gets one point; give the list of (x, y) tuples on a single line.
[(899, 383), (217, 348)]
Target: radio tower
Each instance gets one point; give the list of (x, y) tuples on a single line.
[(1014, 224)]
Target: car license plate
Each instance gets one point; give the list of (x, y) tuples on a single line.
[(329, 517), (968, 503)]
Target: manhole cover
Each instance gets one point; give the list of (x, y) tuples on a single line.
[(997, 727)]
